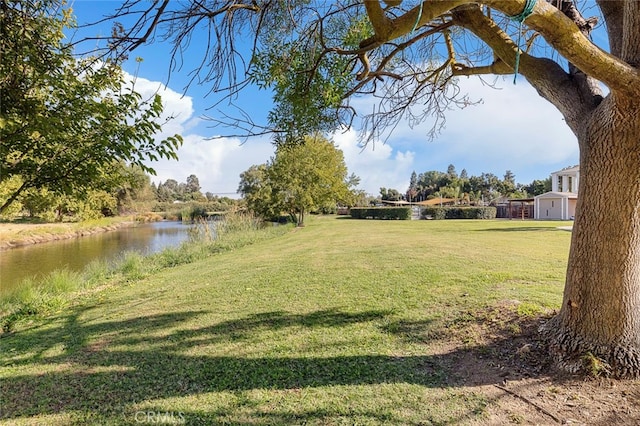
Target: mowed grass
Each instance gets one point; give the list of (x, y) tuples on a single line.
[(340, 322)]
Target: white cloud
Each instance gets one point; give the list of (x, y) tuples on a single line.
[(216, 162), (514, 128), (176, 106), (377, 164)]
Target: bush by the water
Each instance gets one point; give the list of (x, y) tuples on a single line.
[(401, 213), (190, 211), (459, 213), (33, 298)]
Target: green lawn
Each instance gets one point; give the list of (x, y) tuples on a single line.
[(340, 322)]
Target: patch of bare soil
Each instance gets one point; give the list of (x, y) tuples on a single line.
[(500, 355)]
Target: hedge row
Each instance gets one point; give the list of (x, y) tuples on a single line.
[(459, 213), (401, 213)]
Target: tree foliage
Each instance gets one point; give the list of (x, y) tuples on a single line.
[(128, 189), (258, 192), (66, 123), (172, 190), (301, 178), (538, 187), (483, 189), (390, 194), (133, 191)]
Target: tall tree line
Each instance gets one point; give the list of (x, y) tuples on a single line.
[(486, 187)]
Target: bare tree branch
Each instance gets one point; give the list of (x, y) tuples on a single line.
[(551, 81), (498, 67), (569, 40), (151, 27), (390, 61)]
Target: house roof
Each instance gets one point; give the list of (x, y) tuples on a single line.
[(436, 201), (395, 203), (551, 194), (571, 169)]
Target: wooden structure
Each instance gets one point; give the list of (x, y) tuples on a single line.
[(517, 208)]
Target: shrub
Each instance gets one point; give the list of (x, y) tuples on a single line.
[(132, 265), (32, 298), (401, 213), (439, 213), (148, 217), (436, 213), (326, 209)]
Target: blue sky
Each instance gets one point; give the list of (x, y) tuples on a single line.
[(512, 128)]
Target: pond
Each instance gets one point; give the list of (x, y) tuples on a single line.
[(74, 254)]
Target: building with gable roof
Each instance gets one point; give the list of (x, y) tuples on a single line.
[(560, 203)]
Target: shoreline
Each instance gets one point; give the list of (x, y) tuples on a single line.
[(44, 233)]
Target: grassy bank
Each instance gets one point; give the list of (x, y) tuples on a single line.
[(23, 232), (39, 296), (340, 322)]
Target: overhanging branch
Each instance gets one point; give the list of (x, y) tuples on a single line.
[(568, 38), (498, 67), (551, 81)]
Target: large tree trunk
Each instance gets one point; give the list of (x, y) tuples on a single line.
[(598, 326)]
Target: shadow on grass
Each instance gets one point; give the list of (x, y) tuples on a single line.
[(273, 416), (102, 369), (519, 229)]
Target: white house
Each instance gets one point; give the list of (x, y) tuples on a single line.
[(560, 203), (566, 180)]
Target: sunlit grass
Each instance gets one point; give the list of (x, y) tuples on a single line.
[(340, 322), (40, 295)]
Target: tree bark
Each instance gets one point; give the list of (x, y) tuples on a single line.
[(598, 326), (13, 197)]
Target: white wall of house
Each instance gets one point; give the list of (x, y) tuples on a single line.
[(549, 208), (555, 206), (566, 180), (573, 202)]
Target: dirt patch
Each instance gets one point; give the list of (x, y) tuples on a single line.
[(500, 355)]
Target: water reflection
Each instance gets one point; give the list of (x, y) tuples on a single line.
[(22, 262)]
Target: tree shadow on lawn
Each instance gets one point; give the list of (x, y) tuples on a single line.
[(97, 373), (520, 229)]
